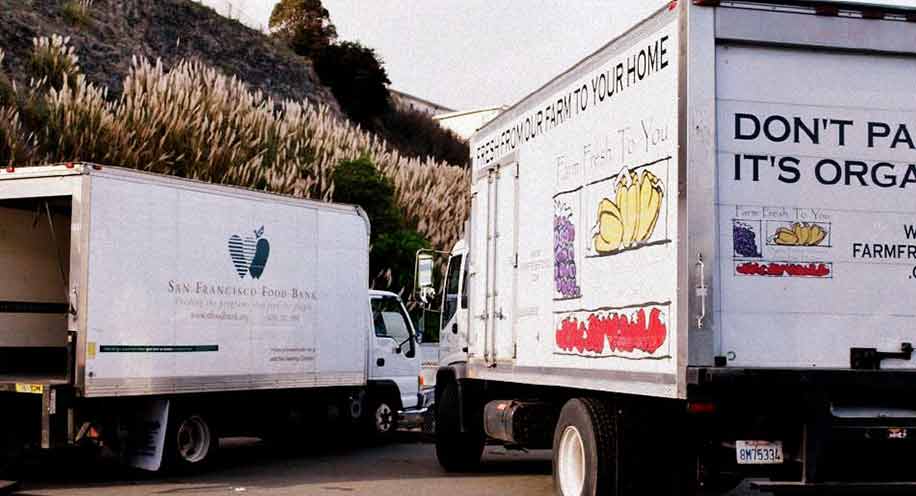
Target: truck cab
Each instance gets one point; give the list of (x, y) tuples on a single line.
[(394, 364)]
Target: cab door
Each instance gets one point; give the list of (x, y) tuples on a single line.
[(453, 337), (394, 348)]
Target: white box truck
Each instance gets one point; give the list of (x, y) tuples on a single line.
[(691, 259), (151, 314)]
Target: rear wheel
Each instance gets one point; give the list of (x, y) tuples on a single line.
[(191, 441), (457, 451), (584, 449)]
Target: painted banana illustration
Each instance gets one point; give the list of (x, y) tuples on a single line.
[(800, 234), (650, 205), (631, 218), (628, 203)]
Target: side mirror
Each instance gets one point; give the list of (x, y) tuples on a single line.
[(425, 270), (424, 283), (411, 350)]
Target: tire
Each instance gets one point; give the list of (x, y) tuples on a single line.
[(584, 450), (382, 418), (10, 459), (191, 442), (457, 451)]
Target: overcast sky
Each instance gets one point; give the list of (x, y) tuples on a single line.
[(473, 53)]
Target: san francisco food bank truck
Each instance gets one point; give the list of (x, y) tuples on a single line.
[(150, 315), (691, 259)]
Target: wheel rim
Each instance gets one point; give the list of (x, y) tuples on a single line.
[(571, 462), (384, 418), (193, 439)]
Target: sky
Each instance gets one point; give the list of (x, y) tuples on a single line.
[(467, 54)]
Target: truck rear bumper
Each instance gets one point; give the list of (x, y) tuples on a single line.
[(858, 488), (900, 380), (843, 429)]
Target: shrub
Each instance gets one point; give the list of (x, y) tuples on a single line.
[(77, 12), (357, 78), (391, 261), (53, 61), (304, 25), (393, 257), (7, 90), (417, 134), (358, 182)]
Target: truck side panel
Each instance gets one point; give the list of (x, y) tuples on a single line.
[(201, 290), (575, 230)]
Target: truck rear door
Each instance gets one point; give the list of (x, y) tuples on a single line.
[(816, 203), (37, 222)]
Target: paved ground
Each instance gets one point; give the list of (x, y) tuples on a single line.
[(249, 467), (406, 467)]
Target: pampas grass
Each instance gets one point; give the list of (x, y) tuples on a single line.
[(192, 121), (53, 61)]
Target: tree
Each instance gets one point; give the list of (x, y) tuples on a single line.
[(358, 80), (391, 261), (305, 25)]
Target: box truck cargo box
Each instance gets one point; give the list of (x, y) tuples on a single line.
[(714, 213), (174, 286), (134, 305)]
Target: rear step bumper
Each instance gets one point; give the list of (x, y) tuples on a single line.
[(898, 380), (859, 488)]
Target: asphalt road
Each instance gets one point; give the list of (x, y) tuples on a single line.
[(246, 466), (406, 467)]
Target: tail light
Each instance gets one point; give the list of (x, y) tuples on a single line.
[(701, 408)]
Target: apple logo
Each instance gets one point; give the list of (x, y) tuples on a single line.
[(249, 255)]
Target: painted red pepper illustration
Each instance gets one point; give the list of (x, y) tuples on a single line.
[(613, 333), (779, 269)]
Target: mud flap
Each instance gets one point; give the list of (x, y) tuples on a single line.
[(7, 487), (146, 436)]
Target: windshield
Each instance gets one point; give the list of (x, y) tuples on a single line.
[(390, 319)]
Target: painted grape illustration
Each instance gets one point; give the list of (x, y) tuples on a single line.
[(564, 265), (745, 240)]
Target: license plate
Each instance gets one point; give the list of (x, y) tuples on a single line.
[(759, 452), (30, 388)]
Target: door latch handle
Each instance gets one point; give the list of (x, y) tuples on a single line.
[(380, 362), (455, 328), (871, 358), (702, 290), (500, 315)]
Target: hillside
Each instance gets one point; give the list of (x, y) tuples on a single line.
[(171, 87), (173, 30)]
